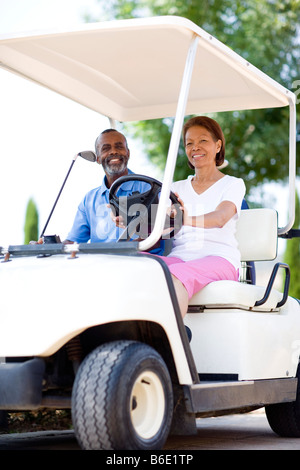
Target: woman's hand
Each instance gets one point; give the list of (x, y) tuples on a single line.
[(186, 219)]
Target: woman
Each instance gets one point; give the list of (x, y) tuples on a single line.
[(205, 249)]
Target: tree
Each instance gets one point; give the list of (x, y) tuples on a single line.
[(31, 222), (267, 34), (292, 256)]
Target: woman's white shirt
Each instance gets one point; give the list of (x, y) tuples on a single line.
[(194, 242)]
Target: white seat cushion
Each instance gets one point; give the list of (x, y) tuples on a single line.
[(222, 294)]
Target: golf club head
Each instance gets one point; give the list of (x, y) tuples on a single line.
[(88, 155)]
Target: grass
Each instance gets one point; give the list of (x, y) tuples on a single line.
[(40, 420)]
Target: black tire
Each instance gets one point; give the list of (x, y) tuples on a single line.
[(3, 420), (122, 398), (284, 418)]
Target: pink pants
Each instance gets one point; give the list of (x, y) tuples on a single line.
[(196, 274)]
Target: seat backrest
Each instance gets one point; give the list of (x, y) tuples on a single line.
[(257, 234)]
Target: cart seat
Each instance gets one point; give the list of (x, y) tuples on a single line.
[(257, 240), (231, 294)]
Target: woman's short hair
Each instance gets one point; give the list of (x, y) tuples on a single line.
[(215, 131)]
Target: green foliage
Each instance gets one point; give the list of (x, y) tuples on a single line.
[(265, 33), (31, 222), (292, 256)]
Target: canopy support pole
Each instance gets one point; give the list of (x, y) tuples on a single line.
[(173, 148), (292, 166)]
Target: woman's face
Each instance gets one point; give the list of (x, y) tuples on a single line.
[(200, 147)]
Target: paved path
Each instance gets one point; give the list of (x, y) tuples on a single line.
[(237, 432)]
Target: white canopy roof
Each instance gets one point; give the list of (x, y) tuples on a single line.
[(131, 70), (149, 68)]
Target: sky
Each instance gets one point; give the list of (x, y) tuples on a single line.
[(40, 132)]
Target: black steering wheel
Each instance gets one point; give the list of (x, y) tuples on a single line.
[(139, 209)]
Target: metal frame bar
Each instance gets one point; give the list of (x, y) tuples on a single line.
[(292, 165), (271, 282), (214, 397), (173, 148)]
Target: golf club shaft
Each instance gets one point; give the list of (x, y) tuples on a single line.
[(58, 196)]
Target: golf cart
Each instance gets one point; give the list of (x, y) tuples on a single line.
[(120, 358)]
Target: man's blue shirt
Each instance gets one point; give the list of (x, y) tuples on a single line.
[(93, 220)]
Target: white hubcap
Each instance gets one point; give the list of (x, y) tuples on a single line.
[(147, 404)]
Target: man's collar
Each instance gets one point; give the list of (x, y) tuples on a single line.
[(127, 185)]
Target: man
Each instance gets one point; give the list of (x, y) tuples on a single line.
[(93, 219)]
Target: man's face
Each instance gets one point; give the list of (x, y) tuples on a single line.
[(113, 153)]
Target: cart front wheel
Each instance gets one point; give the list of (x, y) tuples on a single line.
[(122, 398)]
